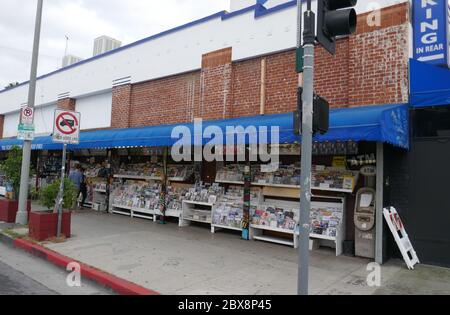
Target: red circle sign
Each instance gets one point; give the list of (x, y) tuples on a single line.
[(67, 123), (28, 112)]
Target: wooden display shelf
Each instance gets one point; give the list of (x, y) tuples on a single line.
[(290, 187)]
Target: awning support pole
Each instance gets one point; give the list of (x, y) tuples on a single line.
[(379, 257)]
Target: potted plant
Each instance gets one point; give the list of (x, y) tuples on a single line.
[(11, 168), (43, 225)]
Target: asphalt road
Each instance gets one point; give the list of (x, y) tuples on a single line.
[(23, 274)]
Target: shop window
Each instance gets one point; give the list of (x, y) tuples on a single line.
[(431, 122)]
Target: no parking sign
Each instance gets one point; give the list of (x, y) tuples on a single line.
[(66, 127)]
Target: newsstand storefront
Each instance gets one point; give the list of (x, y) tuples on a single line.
[(133, 173), (419, 178)]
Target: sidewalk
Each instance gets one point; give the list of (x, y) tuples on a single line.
[(192, 261)]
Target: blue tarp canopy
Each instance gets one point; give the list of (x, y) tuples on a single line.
[(430, 85), (383, 123)]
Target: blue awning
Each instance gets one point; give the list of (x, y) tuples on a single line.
[(430, 85), (383, 123)]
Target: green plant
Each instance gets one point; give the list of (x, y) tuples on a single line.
[(48, 195), (12, 168)]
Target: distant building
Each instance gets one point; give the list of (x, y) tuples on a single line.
[(70, 60), (104, 44)]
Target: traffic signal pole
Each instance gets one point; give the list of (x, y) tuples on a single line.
[(306, 153), (22, 214)]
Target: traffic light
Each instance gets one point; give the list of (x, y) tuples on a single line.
[(321, 116), (335, 18)]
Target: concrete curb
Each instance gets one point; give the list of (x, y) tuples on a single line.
[(118, 285), (6, 240)]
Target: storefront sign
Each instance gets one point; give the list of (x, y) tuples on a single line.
[(66, 127), (431, 42)]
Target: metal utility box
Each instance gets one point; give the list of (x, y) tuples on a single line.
[(365, 223)]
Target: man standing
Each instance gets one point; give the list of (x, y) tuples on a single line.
[(76, 177)]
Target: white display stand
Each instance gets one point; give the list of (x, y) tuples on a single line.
[(134, 212), (99, 200), (257, 234), (170, 213), (333, 241), (194, 211), (292, 237)]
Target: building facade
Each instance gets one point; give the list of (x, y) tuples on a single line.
[(241, 64), (205, 76)]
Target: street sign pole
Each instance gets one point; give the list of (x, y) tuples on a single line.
[(306, 153), (59, 204), (22, 214), (66, 130)]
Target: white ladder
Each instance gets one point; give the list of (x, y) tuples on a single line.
[(401, 237)]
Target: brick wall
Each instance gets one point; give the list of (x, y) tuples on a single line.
[(282, 82), (67, 104), (121, 107), (166, 101), (379, 57), (370, 67), (332, 74), (216, 85), (246, 88)]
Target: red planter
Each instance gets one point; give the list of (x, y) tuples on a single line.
[(8, 210), (43, 225)]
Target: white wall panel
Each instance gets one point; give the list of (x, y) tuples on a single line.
[(10, 125), (95, 111), (43, 119)]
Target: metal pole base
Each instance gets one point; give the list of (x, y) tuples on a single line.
[(22, 218)]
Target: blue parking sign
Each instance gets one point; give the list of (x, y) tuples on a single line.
[(431, 42)]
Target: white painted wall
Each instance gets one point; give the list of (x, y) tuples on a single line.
[(43, 121), (95, 111), (10, 125), (236, 5)]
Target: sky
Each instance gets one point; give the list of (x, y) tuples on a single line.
[(83, 21)]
